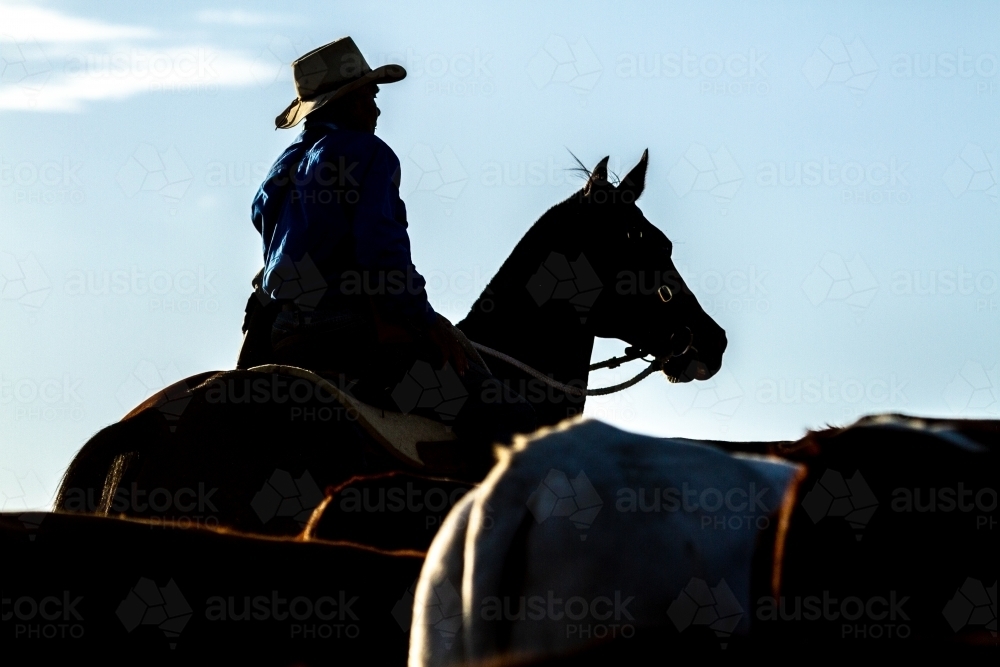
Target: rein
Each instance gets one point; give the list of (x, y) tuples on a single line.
[(630, 354)]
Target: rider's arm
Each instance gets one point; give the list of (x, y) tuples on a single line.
[(382, 245)]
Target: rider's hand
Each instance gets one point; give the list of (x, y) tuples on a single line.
[(442, 337)]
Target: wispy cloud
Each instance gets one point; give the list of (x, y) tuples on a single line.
[(52, 61), (28, 22), (239, 17)]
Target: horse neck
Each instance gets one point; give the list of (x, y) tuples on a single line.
[(552, 340)]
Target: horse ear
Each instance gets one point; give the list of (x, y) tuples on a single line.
[(635, 180), (599, 174)]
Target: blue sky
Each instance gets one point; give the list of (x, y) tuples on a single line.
[(828, 176)]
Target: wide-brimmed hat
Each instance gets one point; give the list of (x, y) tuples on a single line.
[(329, 72)]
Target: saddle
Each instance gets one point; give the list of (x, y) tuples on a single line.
[(417, 441)]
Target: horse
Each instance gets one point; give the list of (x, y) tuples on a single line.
[(255, 449), (587, 543)]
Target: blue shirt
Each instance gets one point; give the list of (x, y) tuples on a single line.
[(336, 230)]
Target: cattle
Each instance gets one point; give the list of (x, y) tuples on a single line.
[(134, 591), (588, 541)]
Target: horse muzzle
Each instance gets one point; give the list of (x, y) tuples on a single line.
[(687, 362)]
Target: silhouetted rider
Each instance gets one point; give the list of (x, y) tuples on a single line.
[(339, 293)]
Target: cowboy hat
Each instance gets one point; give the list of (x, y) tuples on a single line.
[(329, 72)]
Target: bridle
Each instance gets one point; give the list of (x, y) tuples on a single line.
[(631, 354)]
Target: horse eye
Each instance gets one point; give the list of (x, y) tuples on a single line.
[(665, 294)]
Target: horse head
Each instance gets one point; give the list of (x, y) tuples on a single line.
[(649, 305)]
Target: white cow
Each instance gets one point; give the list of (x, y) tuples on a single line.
[(585, 532)]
